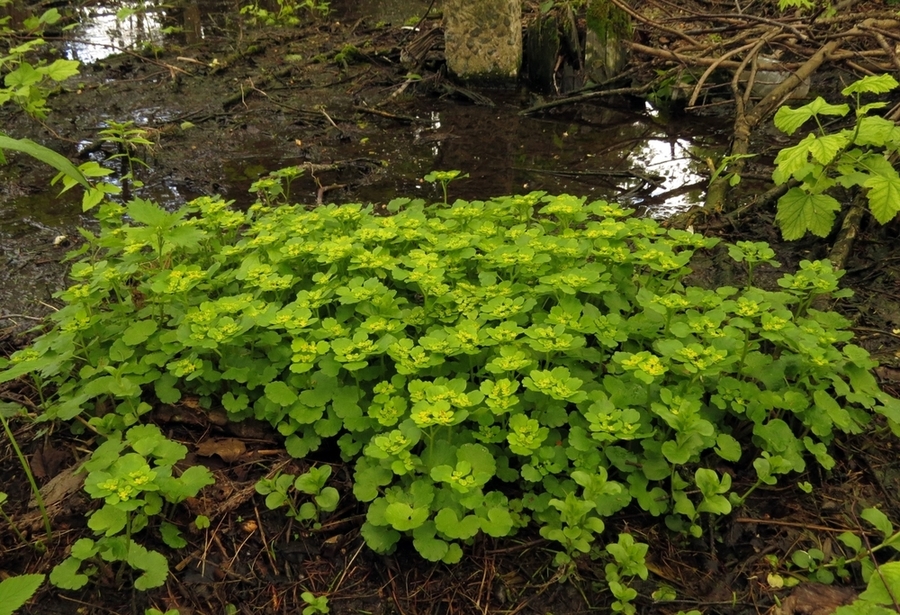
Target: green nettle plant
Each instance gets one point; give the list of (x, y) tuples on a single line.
[(134, 479), (128, 139), (483, 366), (857, 157)]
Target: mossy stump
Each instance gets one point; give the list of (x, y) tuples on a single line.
[(483, 39)]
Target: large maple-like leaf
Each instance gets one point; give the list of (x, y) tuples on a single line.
[(788, 120), (884, 196), (791, 159), (799, 212), (824, 149)]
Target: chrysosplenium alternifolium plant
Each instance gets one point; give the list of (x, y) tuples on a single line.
[(483, 366)]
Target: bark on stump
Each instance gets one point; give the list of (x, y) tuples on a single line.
[(606, 53), (483, 39)]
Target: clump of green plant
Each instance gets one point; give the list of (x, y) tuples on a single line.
[(315, 605), (134, 479), (856, 157), (444, 178), (128, 139), (722, 169), (289, 13), (26, 81), (883, 591), (275, 187), (312, 483), (349, 54), (483, 366)]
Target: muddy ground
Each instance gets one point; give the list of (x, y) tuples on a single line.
[(260, 100)]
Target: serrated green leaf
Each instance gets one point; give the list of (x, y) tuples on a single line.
[(789, 120), (149, 214), (876, 131), (16, 591), (60, 70), (825, 148), (799, 213), (791, 159), (24, 75), (884, 196), (871, 84)]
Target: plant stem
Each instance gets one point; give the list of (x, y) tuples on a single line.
[(27, 468), (14, 527)]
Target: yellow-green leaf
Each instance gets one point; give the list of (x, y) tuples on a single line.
[(792, 159), (873, 84), (884, 196), (799, 212), (824, 149)]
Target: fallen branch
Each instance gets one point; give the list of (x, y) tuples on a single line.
[(587, 96)]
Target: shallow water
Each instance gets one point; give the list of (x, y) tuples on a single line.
[(627, 154)]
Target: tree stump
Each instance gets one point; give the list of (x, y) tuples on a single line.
[(483, 39)]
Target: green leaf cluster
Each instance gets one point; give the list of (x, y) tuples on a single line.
[(859, 157), (278, 491), (483, 366), (289, 13), (134, 479), (28, 80)]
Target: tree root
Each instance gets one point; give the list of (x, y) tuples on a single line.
[(841, 249)]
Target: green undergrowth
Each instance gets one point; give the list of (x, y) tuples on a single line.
[(482, 366)]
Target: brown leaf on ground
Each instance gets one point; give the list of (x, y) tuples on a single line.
[(60, 487), (815, 599), (58, 498), (888, 373), (229, 449), (47, 461)]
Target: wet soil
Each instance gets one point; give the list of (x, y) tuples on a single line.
[(225, 104)]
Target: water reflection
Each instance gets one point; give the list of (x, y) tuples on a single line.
[(108, 28), (679, 181)]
